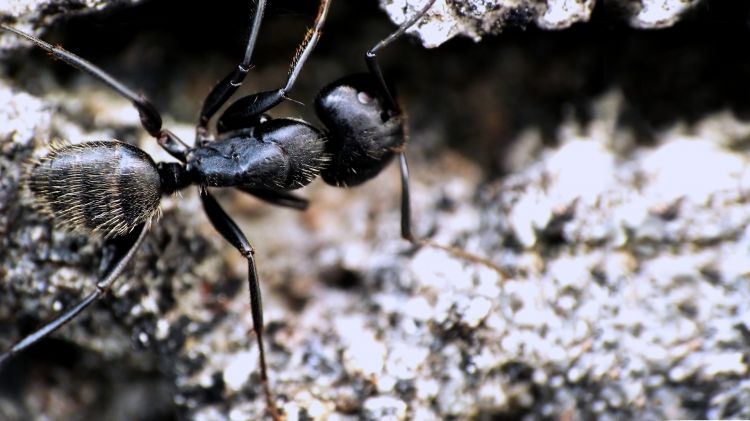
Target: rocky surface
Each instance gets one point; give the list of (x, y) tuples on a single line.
[(634, 273), (615, 215)]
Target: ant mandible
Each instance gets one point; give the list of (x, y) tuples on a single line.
[(118, 186)]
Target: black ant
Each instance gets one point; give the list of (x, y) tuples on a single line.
[(117, 187)]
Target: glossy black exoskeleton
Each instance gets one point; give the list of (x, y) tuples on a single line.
[(113, 189), (275, 155), (365, 132)]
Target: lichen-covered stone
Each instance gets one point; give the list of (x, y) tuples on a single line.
[(479, 18)]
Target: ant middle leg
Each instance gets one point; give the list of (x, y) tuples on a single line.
[(228, 229), (278, 198), (406, 226)]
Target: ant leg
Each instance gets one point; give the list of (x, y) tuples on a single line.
[(173, 145), (124, 249), (149, 115), (278, 198), (232, 233), (231, 82), (406, 228), (406, 231), (374, 67), (307, 46), (251, 107)]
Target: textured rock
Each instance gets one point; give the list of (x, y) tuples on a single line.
[(630, 272)]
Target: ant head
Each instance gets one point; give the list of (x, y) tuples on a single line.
[(356, 105), (364, 131)]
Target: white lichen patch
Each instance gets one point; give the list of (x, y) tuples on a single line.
[(364, 353), (305, 402), (660, 13), (404, 361), (239, 368), (648, 283), (561, 13), (693, 169), (385, 408), (22, 116), (433, 30)]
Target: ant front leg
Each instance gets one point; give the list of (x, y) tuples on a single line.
[(224, 90), (374, 67), (366, 127), (248, 111), (232, 233), (123, 250)]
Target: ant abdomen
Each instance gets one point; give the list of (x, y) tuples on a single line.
[(104, 187), (364, 133)]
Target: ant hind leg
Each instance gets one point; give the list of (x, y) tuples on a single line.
[(123, 249), (150, 118)]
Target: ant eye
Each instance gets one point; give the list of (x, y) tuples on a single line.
[(364, 98)]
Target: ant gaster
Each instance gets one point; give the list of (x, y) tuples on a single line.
[(118, 186)]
